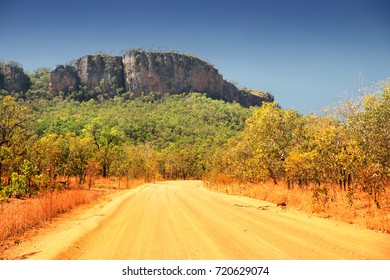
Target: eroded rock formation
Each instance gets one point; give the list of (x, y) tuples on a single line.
[(147, 72), (101, 73), (64, 79), (137, 73), (13, 79), (171, 73)]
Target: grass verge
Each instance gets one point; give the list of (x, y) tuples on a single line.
[(19, 215), (333, 203)]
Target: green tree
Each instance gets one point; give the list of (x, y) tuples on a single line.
[(51, 156), (81, 150), (106, 138), (40, 80), (14, 131)]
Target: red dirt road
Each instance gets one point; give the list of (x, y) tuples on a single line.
[(183, 220)]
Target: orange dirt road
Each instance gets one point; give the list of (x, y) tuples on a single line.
[(182, 220)]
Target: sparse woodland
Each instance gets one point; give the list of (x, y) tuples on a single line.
[(336, 163)]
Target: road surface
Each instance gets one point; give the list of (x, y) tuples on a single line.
[(182, 220)]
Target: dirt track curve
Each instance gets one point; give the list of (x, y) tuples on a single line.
[(182, 220)]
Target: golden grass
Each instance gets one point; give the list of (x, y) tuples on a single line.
[(336, 204), (115, 183), (19, 215)]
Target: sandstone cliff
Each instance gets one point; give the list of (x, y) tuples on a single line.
[(102, 74), (147, 72), (174, 73), (141, 72), (64, 79), (13, 79), (138, 73), (2, 77)]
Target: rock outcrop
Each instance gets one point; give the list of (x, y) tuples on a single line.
[(173, 73), (137, 73), (2, 77), (101, 73), (13, 79), (64, 79), (147, 72), (248, 97)]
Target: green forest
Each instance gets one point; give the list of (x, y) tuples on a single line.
[(46, 141), (170, 138)]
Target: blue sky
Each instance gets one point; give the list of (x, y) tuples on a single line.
[(306, 53)]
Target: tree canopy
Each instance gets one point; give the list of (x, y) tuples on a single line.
[(190, 136)]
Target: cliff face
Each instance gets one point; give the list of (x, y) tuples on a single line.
[(172, 73), (137, 72), (64, 79), (176, 73), (13, 79), (2, 77), (248, 97), (102, 73)]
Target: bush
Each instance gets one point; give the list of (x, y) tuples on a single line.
[(18, 187)]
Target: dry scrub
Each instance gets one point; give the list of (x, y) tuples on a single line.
[(337, 204), (19, 215), (115, 183)]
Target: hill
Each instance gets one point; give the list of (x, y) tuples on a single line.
[(137, 73)]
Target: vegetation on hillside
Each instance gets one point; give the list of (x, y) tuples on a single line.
[(44, 142), (170, 138)]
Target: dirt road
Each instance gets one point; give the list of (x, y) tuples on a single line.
[(182, 220)]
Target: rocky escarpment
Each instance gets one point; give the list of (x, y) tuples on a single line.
[(137, 73), (2, 77), (141, 73), (147, 72), (13, 78), (101, 73), (173, 73), (64, 79)]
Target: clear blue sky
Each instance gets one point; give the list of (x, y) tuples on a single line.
[(305, 52)]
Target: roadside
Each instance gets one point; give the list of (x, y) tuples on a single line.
[(22, 219), (183, 220)]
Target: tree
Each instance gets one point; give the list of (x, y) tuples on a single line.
[(40, 81), (81, 149), (51, 156), (181, 161), (13, 120), (14, 130), (106, 138), (370, 130), (269, 133)]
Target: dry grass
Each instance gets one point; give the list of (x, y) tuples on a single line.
[(115, 183), (105, 183), (336, 204), (19, 215)]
